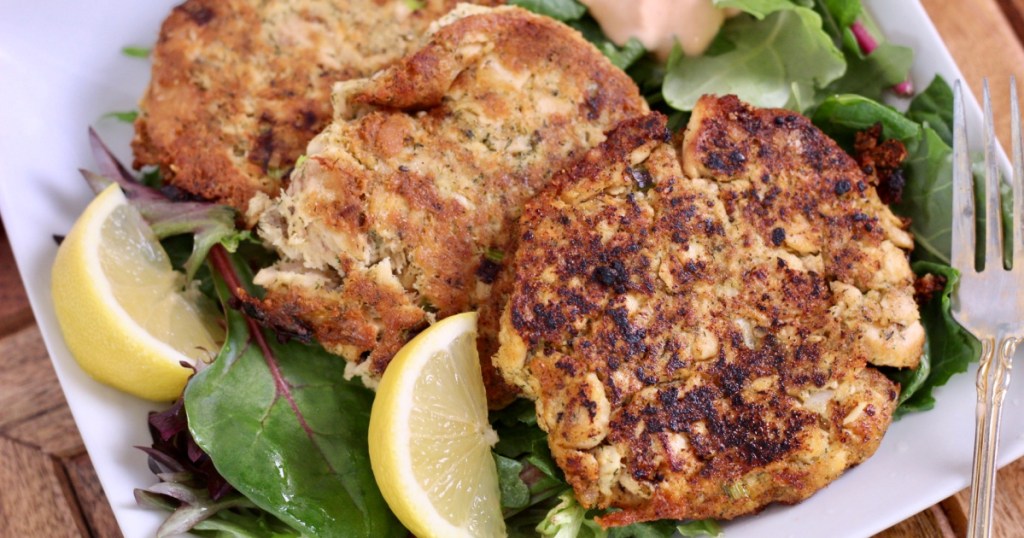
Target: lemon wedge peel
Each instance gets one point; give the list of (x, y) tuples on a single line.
[(106, 341), (442, 482)]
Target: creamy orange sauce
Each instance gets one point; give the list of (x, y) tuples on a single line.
[(659, 23)]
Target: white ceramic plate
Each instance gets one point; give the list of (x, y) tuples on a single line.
[(61, 70)]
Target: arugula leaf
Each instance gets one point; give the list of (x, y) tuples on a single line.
[(843, 12), (285, 428), (869, 75), (562, 10), (788, 47), (949, 350), (758, 8)]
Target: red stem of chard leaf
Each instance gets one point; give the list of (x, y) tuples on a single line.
[(867, 45), (221, 263)]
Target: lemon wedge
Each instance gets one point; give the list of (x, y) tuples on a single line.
[(126, 314), (430, 441)]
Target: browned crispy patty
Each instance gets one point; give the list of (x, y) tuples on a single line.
[(698, 344), (239, 87), (404, 210)]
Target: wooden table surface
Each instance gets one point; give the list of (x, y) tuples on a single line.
[(48, 487)]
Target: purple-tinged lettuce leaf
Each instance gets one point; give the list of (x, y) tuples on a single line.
[(198, 498), (209, 223)]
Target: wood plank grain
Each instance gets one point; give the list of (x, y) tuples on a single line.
[(33, 495), (984, 44), (98, 515), (1009, 505), (52, 431), (1013, 10), (14, 308), (985, 40), (28, 385), (928, 523)]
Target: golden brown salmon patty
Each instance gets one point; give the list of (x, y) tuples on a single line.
[(239, 87), (686, 360), (405, 209)]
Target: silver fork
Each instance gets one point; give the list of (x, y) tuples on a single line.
[(990, 300)]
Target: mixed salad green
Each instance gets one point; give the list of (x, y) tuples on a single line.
[(271, 440)]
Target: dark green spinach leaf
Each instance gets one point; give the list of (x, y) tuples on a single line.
[(562, 10), (934, 107), (285, 428), (949, 351)]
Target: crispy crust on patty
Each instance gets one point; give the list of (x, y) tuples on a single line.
[(408, 202), (687, 361), (239, 87)]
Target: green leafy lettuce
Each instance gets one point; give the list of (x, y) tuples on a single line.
[(773, 61), (787, 53), (285, 428)]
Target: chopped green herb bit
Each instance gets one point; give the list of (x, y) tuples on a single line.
[(152, 176), (126, 116), (494, 255), (137, 52), (736, 490), (428, 306), (414, 4), (278, 173)]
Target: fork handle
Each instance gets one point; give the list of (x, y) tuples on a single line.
[(993, 380)]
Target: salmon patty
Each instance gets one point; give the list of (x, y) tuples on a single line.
[(699, 335), (404, 210), (240, 87)]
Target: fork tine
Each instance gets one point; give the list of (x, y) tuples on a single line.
[(962, 240), (1017, 231), (993, 220)]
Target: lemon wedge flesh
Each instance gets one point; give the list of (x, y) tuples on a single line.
[(430, 441), (125, 313)]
